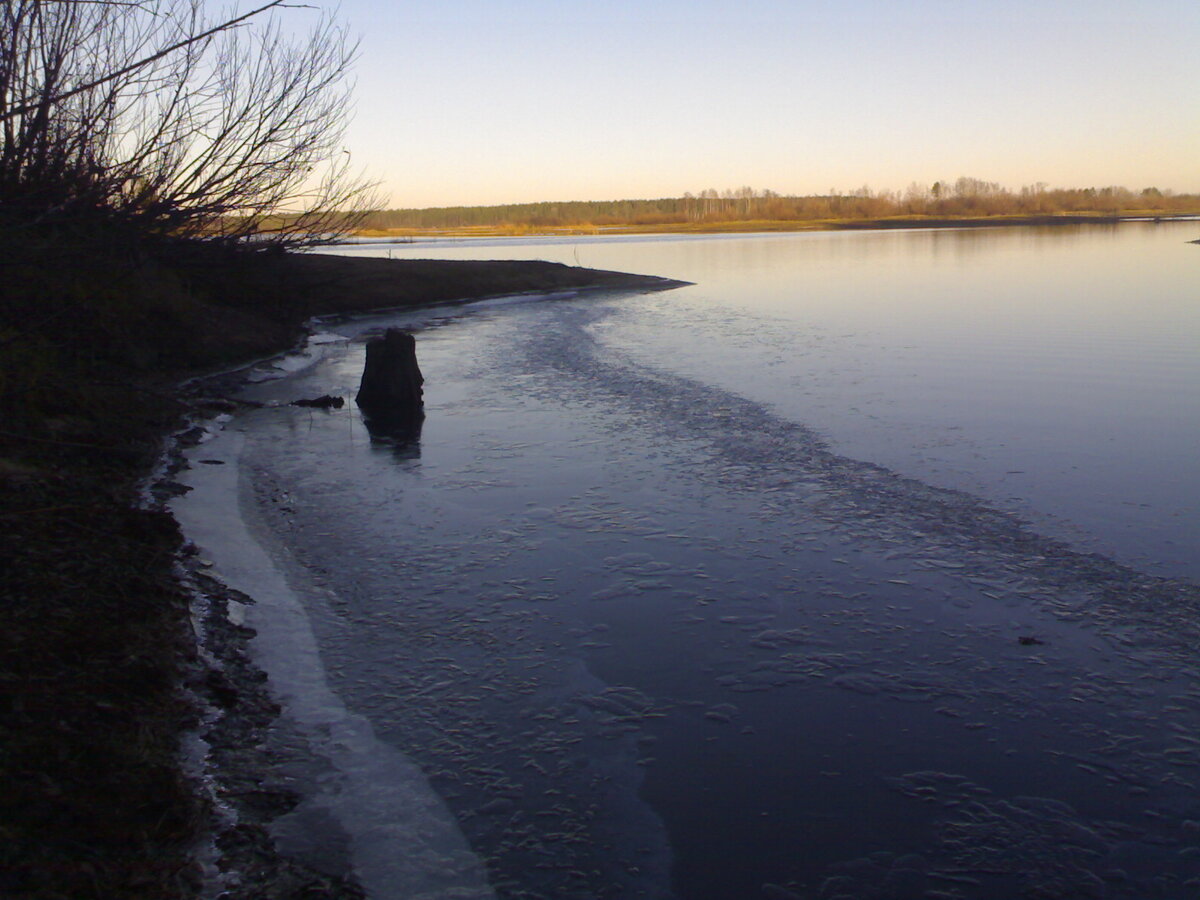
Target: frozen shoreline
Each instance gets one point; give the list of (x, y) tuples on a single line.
[(107, 682), (363, 797), (377, 798)]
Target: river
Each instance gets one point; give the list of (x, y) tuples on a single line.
[(864, 566)]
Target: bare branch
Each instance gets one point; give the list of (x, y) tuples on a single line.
[(147, 115), (141, 63)]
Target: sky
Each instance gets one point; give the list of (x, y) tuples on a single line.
[(477, 102)]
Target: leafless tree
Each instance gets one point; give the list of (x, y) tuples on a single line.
[(154, 116)]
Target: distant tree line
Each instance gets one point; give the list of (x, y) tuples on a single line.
[(963, 197)]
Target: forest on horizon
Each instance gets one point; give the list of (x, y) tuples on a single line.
[(965, 197)]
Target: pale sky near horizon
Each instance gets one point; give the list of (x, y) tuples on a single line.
[(474, 102)]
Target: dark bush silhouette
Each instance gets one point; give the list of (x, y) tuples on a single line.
[(153, 117)]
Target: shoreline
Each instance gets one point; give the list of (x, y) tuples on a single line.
[(239, 769), (769, 226), (337, 284), (104, 682)]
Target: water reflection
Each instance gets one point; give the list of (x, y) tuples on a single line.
[(398, 433), (1052, 370)]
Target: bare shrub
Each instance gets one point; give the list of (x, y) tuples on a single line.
[(157, 118)]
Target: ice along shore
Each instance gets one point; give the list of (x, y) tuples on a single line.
[(104, 676)]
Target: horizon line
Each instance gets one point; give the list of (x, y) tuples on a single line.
[(762, 193)]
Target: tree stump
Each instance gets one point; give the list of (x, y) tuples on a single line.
[(391, 386)]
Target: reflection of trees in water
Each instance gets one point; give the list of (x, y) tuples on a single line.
[(964, 243)]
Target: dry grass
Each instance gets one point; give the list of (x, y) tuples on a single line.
[(754, 226)]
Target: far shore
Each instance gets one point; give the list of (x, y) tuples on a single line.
[(755, 226)]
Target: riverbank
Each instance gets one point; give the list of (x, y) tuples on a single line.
[(758, 226), (101, 678)]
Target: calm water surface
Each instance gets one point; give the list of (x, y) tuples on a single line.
[(1052, 370), (863, 567)]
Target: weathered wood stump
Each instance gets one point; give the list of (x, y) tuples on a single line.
[(391, 387)]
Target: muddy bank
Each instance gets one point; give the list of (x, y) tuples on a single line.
[(346, 284), (97, 591)]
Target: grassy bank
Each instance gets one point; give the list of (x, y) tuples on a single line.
[(756, 226), (95, 632)]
